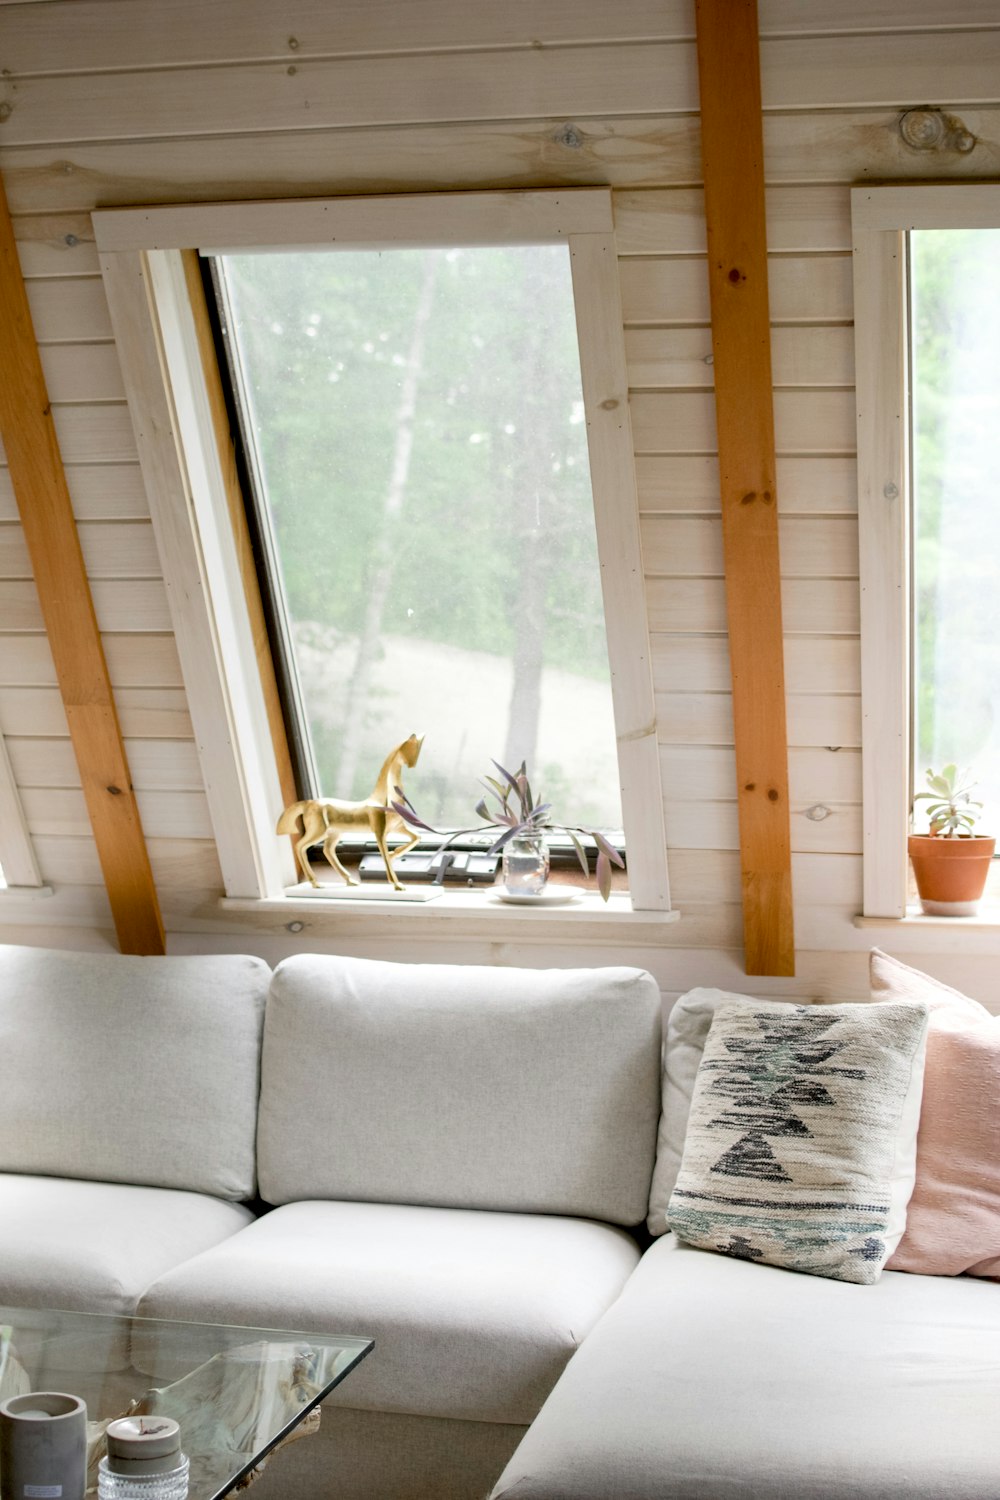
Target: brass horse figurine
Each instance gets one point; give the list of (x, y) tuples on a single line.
[(326, 822)]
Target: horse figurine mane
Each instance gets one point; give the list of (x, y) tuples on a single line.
[(312, 822)]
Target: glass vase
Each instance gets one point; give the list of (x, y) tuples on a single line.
[(525, 864)]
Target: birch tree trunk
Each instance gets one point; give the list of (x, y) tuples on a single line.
[(382, 566)]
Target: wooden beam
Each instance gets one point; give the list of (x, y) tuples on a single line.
[(42, 495), (733, 168)]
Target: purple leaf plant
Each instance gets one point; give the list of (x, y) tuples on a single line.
[(516, 812)]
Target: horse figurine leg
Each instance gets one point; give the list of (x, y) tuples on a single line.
[(305, 818), (330, 843)]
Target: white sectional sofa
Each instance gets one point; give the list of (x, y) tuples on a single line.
[(446, 1159), (456, 1161)]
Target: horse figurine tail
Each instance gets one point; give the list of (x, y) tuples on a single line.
[(292, 820)]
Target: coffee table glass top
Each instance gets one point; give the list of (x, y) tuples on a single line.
[(236, 1392)]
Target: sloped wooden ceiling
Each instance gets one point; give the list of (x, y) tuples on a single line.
[(733, 163)]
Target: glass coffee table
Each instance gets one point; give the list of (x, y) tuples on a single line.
[(237, 1393)]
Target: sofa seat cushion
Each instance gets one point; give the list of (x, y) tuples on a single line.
[(94, 1246), (473, 1314), (713, 1378)]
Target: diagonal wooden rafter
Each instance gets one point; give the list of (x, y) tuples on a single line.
[(733, 169), (39, 482)]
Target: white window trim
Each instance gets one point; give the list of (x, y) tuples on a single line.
[(143, 273), (881, 217), (17, 854)]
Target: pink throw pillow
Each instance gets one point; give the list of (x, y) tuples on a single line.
[(953, 1218)]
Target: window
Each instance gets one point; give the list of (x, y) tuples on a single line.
[(414, 426), (18, 867), (151, 269), (927, 319)]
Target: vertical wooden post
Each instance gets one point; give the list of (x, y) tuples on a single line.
[(733, 165), (39, 482)]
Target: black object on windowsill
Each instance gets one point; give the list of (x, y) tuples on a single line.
[(562, 854), (452, 867)]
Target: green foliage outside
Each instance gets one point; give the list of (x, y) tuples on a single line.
[(462, 516), (956, 450)]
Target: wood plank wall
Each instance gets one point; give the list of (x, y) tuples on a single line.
[(107, 102)]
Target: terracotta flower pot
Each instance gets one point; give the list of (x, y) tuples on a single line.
[(950, 873)]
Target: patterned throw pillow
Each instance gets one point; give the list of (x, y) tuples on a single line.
[(683, 1043), (801, 1142)]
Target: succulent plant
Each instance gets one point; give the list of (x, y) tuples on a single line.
[(952, 812)]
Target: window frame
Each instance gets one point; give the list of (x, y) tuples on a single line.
[(881, 219), (18, 863), (142, 255)]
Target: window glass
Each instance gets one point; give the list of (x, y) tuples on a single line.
[(415, 425), (955, 338)]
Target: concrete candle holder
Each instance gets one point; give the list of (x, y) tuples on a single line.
[(43, 1447)]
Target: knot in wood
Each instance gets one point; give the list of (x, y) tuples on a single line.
[(115, 791), (773, 795), (736, 275), (610, 404)]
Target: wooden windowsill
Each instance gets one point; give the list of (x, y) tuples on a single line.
[(987, 918), (456, 913)]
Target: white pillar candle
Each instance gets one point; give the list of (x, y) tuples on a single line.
[(143, 1445)]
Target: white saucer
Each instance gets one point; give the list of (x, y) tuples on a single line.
[(552, 895)]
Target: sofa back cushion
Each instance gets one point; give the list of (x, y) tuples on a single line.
[(523, 1090), (124, 1069)]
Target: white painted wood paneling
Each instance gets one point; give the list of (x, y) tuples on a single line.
[(116, 104), (82, 372), (714, 825), (823, 147), (690, 482), (338, 93), (121, 605), (156, 765), (145, 34), (158, 713), (802, 289), (94, 434), (671, 221), (133, 661), (811, 547), (69, 310), (707, 718), (813, 664), (708, 773), (650, 77), (118, 550), (100, 492), (815, 606), (62, 812), (672, 357), (684, 422)]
